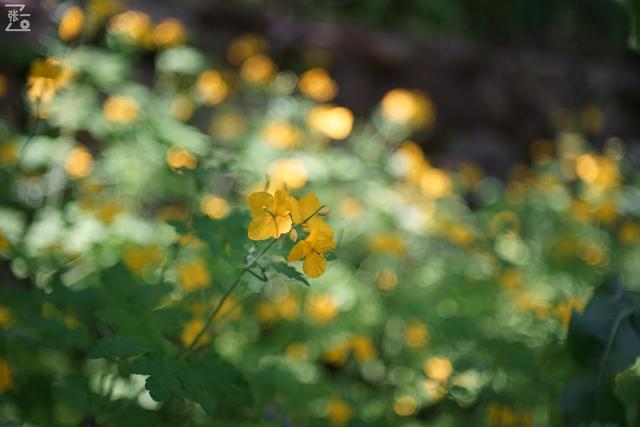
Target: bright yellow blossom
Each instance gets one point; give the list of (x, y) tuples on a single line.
[(270, 214), (71, 23)]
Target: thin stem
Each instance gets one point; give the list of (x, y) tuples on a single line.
[(224, 298), (247, 268)]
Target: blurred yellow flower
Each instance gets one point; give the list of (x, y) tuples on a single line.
[(339, 412), (405, 405), (244, 47), (3, 85), (350, 208), (258, 70), (270, 215), (297, 352), (46, 77), (564, 310), (363, 348), (433, 389), (438, 368), (211, 87), (281, 134), (266, 312), (194, 275), (5, 245), (597, 170), (6, 317), (388, 243), (435, 183), (416, 334), (71, 23), (510, 279), (337, 354), (8, 153), (318, 85), (138, 258), (322, 308), (288, 307), (191, 330), (387, 280), (79, 163), (331, 121), (133, 26), (181, 108), (6, 378), (629, 233), (169, 33), (288, 173), (412, 108), (179, 157), (227, 127), (214, 207), (120, 109)]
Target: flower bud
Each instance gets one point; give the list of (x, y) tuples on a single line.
[(324, 211), (293, 234)]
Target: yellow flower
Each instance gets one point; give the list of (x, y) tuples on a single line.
[(320, 239), (258, 70), (318, 85), (6, 317), (438, 368), (270, 215), (214, 207), (363, 348), (416, 334), (178, 157), (139, 258), (120, 109), (322, 308), (79, 163), (227, 126), (408, 107), (6, 379), (405, 405), (169, 32), (191, 330), (46, 77), (134, 26), (194, 275), (243, 47), (329, 120), (388, 243), (211, 87), (71, 23), (289, 173), (281, 134), (339, 412)]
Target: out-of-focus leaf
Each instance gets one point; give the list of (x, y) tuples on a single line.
[(114, 347)]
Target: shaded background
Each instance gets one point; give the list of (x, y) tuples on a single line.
[(501, 73)]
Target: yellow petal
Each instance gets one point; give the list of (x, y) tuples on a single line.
[(303, 209), (282, 203), (323, 245), (259, 201), (299, 251), (283, 224), (314, 264), (262, 228)]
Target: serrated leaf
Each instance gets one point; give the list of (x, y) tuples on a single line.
[(164, 380), (289, 271), (114, 347)]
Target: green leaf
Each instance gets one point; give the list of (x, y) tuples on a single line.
[(123, 347), (289, 271), (164, 380)]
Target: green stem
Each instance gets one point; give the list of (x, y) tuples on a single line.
[(247, 268), (224, 298)]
